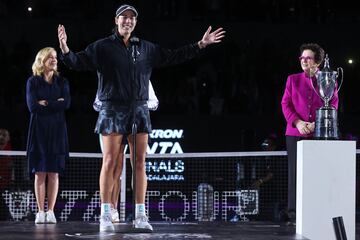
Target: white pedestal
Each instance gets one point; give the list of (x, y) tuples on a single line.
[(326, 173)]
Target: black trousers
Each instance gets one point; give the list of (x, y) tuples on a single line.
[(291, 146)]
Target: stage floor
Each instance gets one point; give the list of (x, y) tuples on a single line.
[(162, 230)]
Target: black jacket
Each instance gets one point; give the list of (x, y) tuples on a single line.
[(114, 64)]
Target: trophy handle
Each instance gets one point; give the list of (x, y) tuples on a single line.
[(312, 85), (339, 69)]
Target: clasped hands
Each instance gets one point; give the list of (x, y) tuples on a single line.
[(304, 127), (45, 102)]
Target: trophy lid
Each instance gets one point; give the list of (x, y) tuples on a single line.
[(326, 64)]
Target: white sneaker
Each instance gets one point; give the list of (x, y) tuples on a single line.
[(40, 217), (50, 217), (141, 223), (115, 215), (106, 224)]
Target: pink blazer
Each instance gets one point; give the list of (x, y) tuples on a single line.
[(301, 102)]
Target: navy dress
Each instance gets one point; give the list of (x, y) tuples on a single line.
[(47, 144)]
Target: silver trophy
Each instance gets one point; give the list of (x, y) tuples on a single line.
[(326, 123)]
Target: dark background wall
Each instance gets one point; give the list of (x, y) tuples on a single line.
[(226, 99)]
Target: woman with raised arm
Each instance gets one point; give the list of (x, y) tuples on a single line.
[(124, 64)]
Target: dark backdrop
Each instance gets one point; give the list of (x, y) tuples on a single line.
[(226, 99)]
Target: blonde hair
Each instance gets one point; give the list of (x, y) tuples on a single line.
[(41, 56)]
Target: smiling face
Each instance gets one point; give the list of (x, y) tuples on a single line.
[(126, 23), (307, 62), (50, 62)]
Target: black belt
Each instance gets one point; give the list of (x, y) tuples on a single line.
[(107, 104)]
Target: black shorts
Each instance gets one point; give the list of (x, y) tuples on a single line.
[(119, 119)]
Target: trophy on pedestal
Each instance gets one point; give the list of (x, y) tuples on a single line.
[(326, 123)]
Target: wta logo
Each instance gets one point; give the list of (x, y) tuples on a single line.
[(165, 141)]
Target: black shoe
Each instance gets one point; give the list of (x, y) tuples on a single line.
[(291, 218), (291, 224)]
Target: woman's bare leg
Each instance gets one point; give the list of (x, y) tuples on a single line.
[(140, 220), (117, 174), (111, 148), (52, 189), (39, 187), (141, 179)]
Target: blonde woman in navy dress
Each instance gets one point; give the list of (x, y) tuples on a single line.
[(47, 97)]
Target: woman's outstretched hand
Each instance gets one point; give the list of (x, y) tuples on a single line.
[(211, 37), (63, 39)]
